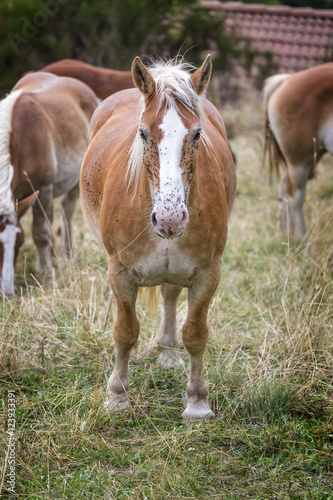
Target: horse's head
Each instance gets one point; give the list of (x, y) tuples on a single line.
[(168, 138), (11, 239)]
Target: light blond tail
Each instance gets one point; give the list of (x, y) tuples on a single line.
[(150, 296), (271, 147)]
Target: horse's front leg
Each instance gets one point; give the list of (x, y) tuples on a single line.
[(169, 337), (195, 338), (125, 333), (42, 228)]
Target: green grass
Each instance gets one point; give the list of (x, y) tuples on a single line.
[(268, 365)]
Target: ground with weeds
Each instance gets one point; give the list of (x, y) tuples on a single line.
[(268, 365)]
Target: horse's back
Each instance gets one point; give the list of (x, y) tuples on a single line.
[(103, 81), (302, 90)]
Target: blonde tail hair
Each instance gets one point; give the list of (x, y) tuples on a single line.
[(271, 147), (151, 296)]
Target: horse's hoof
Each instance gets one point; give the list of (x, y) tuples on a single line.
[(116, 402), (197, 411), (169, 359)]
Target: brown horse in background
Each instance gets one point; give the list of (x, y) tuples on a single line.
[(157, 186), (299, 130), (103, 81), (43, 138)]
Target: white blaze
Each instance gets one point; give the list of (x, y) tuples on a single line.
[(170, 152), (8, 239)]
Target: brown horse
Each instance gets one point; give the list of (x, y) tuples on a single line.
[(157, 186), (103, 81), (299, 130), (43, 138)]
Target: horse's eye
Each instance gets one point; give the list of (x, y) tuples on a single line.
[(197, 135), (143, 135)]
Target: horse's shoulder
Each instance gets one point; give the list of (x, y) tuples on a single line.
[(122, 102)]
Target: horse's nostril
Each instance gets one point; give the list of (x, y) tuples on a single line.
[(153, 219), (185, 218)]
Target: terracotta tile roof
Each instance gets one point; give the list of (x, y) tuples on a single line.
[(299, 37)]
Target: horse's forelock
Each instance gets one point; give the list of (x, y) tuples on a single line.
[(173, 84)]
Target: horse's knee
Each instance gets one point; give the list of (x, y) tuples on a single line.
[(41, 235), (125, 340), (126, 332), (195, 337), (43, 242)]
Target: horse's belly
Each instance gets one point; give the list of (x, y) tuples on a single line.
[(165, 267), (68, 170)]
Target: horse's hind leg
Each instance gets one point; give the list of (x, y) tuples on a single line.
[(291, 201), (68, 202), (42, 228), (125, 333), (169, 338), (195, 338)]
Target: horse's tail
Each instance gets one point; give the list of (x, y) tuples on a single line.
[(152, 299), (271, 147), (6, 167)]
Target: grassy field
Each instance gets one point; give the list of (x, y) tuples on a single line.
[(268, 364)]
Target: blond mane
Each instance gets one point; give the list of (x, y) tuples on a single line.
[(173, 84), (6, 168)]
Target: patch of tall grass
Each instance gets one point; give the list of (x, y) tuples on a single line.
[(268, 364)]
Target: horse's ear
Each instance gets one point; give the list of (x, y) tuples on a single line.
[(142, 78), (201, 76), (23, 205)]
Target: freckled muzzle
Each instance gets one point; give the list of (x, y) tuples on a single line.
[(169, 223)]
